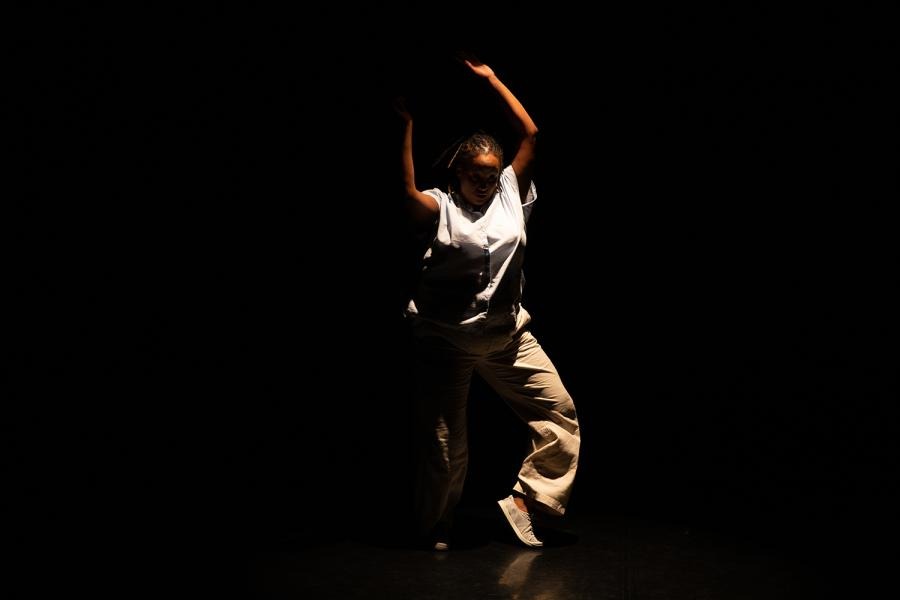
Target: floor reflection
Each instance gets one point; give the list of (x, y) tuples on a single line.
[(526, 576), (515, 573)]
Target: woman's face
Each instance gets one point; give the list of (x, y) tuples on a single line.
[(478, 179)]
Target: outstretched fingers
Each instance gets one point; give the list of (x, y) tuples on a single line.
[(475, 65)]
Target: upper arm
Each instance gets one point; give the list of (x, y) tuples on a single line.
[(423, 208), (523, 164)]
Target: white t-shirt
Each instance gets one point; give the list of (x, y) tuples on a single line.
[(472, 274)]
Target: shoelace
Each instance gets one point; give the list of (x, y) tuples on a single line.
[(528, 529)]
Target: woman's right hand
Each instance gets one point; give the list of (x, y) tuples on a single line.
[(401, 110)]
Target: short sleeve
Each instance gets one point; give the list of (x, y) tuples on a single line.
[(530, 199), (509, 181)]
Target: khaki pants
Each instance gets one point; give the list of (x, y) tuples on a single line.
[(518, 369)]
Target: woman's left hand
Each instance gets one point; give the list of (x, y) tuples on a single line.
[(480, 69)]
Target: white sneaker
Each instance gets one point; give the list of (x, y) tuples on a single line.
[(440, 536), (520, 522)]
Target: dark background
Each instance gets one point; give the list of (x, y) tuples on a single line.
[(216, 260)]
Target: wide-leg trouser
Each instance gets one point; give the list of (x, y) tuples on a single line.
[(518, 369)]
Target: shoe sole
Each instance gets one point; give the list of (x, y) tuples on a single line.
[(512, 524)]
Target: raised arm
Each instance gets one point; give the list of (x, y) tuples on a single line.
[(422, 207), (524, 159)]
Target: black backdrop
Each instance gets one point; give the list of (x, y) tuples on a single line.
[(709, 266)]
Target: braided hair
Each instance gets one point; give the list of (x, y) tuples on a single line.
[(475, 145)]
